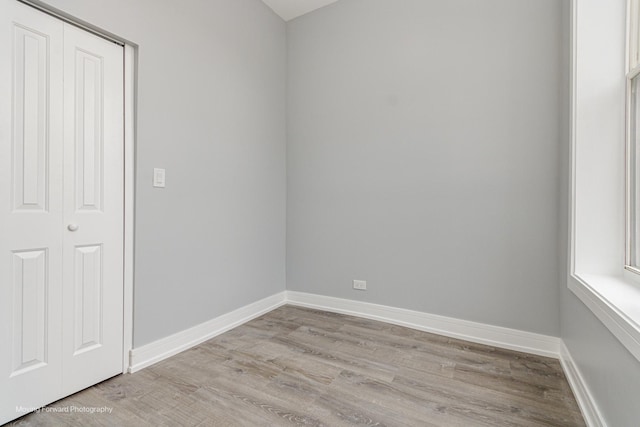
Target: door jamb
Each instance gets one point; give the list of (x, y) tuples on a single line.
[(129, 203)]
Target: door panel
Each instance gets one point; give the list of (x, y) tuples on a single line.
[(30, 126), (31, 219), (88, 113), (30, 291), (93, 182), (88, 293)]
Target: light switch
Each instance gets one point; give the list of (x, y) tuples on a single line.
[(158, 178)]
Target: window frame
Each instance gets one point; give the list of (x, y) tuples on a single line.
[(632, 69), (599, 132)]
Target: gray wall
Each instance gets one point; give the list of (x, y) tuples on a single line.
[(211, 110), (424, 144), (423, 153)]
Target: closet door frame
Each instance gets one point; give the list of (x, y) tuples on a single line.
[(130, 53)]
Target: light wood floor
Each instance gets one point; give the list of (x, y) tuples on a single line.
[(296, 366)]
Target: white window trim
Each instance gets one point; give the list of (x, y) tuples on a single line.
[(632, 69), (598, 276), (609, 299)]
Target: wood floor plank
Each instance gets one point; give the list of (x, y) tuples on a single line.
[(502, 408), (298, 366)]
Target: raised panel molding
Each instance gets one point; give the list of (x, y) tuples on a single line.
[(30, 121), (89, 130), (88, 301), (30, 293)]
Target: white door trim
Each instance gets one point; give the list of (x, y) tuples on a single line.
[(129, 201)]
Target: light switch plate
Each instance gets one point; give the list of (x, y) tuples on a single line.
[(158, 178)]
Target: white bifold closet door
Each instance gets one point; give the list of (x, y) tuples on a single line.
[(61, 209)]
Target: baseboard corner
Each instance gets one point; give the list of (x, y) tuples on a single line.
[(149, 354), (586, 401)]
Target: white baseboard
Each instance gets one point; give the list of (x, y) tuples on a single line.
[(496, 336), (147, 355), (586, 402)]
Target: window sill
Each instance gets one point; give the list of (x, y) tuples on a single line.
[(615, 300)]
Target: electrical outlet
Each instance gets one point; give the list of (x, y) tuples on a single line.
[(360, 285)]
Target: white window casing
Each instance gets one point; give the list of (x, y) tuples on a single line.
[(598, 230)]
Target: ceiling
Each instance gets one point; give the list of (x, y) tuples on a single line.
[(289, 9)]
